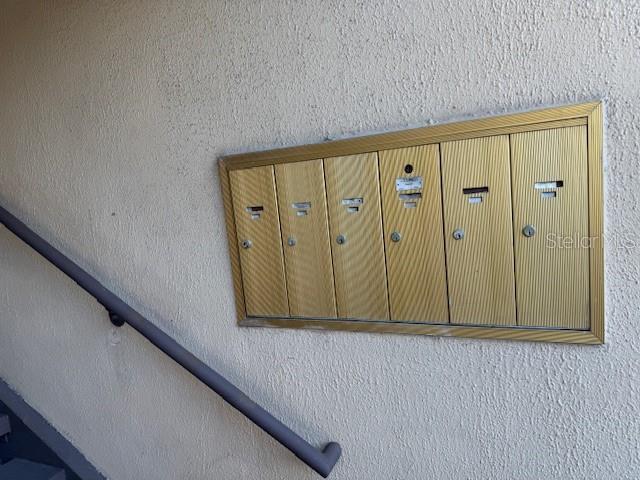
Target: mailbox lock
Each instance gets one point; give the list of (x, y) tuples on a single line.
[(291, 241), (529, 231), (246, 244), (341, 239), (395, 236), (458, 234)]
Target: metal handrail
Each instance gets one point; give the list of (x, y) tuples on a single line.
[(322, 461)]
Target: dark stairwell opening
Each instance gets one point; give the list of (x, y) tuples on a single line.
[(22, 443)]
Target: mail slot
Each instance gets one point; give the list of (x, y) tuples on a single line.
[(258, 234), (412, 213), (305, 237), (353, 197), (478, 231), (550, 211)]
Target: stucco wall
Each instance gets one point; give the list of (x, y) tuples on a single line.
[(112, 116)]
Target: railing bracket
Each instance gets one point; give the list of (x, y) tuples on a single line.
[(116, 320)]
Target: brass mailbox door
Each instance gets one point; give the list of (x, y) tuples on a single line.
[(255, 211), (305, 237), (550, 195), (355, 223), (478, 231), (412, 219)]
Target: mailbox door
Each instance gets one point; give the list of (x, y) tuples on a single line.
[(412, 220), (550, 194), (355, 224), (305, 238), (255, 211), (478, 231)]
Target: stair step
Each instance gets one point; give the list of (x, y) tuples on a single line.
[(5, 426), (19, 469)]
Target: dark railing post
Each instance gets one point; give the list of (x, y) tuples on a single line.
[(121, 313)]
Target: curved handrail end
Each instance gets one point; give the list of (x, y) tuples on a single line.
[(331, 453)]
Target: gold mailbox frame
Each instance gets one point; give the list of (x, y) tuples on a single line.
[(589, 114)]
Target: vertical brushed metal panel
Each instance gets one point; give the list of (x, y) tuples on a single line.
[(596, 232), (232, 239), (480, 266), (552, 267), (308, 264), (353, 200), (416, 264), (262, 266)]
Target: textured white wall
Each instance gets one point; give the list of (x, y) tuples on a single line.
[(112, 116)]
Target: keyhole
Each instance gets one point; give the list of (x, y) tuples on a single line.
[(408, 168), (529, 231)]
